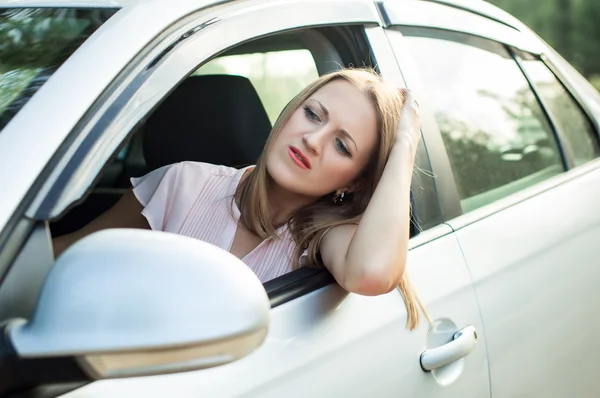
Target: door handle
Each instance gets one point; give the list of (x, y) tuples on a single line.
[(461, 345)]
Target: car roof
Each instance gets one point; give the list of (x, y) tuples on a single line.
[(480, 7)]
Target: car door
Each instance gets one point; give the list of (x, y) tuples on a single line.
[(322, 341), (523, 153)]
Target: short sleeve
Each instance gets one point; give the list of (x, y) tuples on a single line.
[(169, 193), (144, 187), (154, 191)]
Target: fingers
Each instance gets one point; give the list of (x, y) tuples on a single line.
[(408, 98), (411, 107)]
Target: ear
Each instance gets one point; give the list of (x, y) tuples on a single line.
[(358, 185)]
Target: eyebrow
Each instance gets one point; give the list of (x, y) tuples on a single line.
[(342, 131)]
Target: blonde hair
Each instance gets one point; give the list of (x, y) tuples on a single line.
[(310, 223)]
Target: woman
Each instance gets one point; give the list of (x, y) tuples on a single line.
[(331, 187)]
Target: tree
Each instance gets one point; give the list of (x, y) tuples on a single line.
[(570, 26)]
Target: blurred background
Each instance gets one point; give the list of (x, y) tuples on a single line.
[(572, 27)]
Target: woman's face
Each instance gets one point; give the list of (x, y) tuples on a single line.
[(326, 143)]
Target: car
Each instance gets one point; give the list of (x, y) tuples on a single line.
[(505, 204)]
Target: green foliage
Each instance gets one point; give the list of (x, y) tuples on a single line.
[(34, 42), (36, 38), (595, 80), (570, 26)]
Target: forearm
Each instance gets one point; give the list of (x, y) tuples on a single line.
[(377, 252), (126, 213)]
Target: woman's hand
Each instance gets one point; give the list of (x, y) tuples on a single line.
[(409, 125)]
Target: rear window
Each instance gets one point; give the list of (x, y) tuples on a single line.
[(34, 42)]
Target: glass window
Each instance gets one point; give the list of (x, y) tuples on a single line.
[(277, 76), (496, 135), (34, 43), (569, 118)]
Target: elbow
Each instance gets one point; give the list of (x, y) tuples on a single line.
[(374, 281)]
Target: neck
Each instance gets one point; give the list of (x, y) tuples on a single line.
[(285, 203)]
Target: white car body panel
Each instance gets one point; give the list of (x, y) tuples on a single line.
[(535, 267), (331, 344)]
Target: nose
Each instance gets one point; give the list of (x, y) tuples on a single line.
[(313, 142)]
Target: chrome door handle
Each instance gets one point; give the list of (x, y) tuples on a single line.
[(461, 345)]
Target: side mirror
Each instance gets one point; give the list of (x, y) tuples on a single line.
[(125, 302)]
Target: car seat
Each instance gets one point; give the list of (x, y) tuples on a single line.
[(216, 119)]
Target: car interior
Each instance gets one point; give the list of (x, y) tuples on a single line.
[(235, 127)]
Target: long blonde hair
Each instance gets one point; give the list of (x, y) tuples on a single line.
[(310, 223)]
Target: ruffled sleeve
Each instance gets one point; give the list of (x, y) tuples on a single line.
[(154, 191), (168, 193)]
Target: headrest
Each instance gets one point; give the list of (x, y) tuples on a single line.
[(214, 118)]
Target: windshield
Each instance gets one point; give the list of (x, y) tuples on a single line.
[(34, 42)]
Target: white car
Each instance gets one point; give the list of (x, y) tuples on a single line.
[(506, 196)]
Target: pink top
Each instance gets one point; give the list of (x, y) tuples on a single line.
[(195, 199)]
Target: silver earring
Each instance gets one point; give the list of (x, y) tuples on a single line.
[(338, 197)]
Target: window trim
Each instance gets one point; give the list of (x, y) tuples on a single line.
[(164, 63)]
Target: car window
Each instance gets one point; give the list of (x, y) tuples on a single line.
[(34, 43), (568, 116), (277, 76), (497, 137)]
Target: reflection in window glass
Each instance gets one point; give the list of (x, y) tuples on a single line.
[(565, 112), (34, 42), (495, 133), (277, 76)]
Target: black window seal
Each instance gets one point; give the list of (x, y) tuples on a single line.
[(296, 284), (566, 160), (573, 93)]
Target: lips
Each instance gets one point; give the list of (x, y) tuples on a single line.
[(300, 159)]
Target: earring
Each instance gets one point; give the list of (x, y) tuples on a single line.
[(338, 197)]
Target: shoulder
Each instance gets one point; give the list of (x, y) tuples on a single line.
[(197, 174), (188, 178), (204, 169)]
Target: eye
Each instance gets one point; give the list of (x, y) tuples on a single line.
[(311, 115), (341, 148)]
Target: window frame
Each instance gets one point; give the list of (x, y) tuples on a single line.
[(192, 42), (57, 120), (107, 125)]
